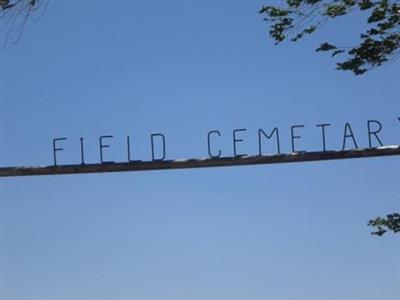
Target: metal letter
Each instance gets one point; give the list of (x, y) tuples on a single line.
[(348, 127), (104, 146), (152, 146), (209, 144), (82, 153), (375, 133), (129, 150), (323, 134), (235, 141), (268, 137), (295, 136), (57, 149)]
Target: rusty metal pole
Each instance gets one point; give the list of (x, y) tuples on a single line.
[(199, 163)]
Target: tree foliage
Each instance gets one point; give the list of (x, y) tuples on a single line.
[(13, 16), (379, 44), (391, 223)]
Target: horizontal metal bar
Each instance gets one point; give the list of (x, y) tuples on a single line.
[(199, 163)]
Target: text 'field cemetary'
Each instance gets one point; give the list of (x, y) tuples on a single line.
[(348, 147)]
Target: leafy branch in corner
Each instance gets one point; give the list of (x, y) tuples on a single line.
[(13, 16), (379, 44), (383, 225)]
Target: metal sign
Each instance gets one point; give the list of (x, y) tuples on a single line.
[(374, 130)]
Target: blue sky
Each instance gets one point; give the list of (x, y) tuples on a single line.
[(182, 68)]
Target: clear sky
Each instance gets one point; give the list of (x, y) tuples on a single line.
[(182, 68)]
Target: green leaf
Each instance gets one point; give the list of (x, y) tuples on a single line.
[(325, 47)]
